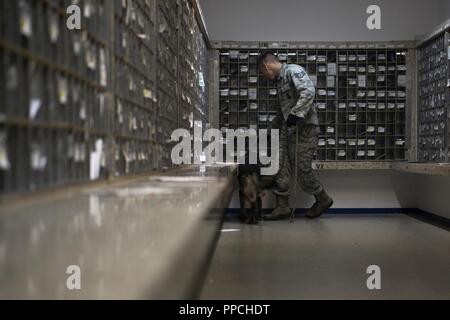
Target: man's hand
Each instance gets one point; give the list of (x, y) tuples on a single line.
[(292, 121)]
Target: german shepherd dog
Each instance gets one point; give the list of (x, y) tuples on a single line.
[(252, 189), (252, 186), (250, 194)]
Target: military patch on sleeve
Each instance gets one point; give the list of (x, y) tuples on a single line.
[(299, 75)]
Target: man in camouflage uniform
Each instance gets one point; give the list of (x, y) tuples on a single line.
[(296, 94)]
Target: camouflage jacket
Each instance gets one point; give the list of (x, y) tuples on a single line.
[(296, 93)]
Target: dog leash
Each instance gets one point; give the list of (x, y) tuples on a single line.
[(295, 175)]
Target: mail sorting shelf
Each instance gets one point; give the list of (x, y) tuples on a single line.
[(361, 98), (167, 16), (246, 97), (167, 100), (135, 95), (193, 68), (186, 68), (62, 106), (434, 84), (201, 63), (52, 92)]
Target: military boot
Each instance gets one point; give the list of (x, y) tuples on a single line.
[(282, 210), (323, 203)]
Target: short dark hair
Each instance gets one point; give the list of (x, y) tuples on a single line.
[(267, 57)]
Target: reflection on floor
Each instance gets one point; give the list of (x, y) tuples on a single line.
[(328, 259)]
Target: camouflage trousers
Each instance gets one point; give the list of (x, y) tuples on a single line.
[(306, 150)]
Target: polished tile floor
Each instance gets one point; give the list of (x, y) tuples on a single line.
[(328, 259)]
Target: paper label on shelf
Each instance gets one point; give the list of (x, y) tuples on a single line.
[(343, 68), (38, 158), (91, 58), (53, 28), (25, 20), (148, 94), (362, 81), (103, 71), (244, 69), (253, 94), (332, 69), (87, 10), (62, 91), (4, 159), (76, 45), (401, 81), (12, 81), (101, 99), (234, 54), (331, 81), (95, 160), (201, 80), (35, 106)]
